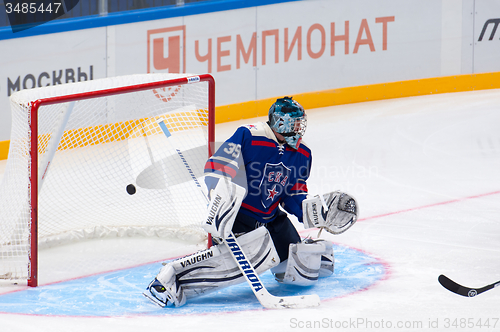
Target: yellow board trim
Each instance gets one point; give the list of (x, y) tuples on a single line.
[(333, 97), (82, 137), (4, 149)]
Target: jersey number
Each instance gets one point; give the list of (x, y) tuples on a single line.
[(233, 149)]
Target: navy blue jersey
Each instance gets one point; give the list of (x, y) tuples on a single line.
[(273, 173)]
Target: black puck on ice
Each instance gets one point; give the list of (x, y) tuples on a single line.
[(131, 189)]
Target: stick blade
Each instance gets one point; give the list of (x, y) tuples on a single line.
[(448, 283), (456, 288), (288, 302)]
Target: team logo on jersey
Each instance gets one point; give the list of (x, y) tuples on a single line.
[(271, 193), (273, 183)]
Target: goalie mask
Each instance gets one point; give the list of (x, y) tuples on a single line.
[(288, 118)]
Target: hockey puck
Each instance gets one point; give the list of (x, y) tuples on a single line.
[(131, 189)]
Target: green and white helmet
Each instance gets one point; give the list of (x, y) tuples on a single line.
[(288, 118)]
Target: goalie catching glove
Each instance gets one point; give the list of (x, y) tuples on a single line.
[(224, 205), (336, 212)]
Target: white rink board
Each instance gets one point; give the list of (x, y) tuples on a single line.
[(388, 40), (486, 51), (306, 65), (49, 60)]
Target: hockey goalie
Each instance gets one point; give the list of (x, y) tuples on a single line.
[(255, 179)]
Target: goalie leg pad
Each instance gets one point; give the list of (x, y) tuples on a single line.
[(165, 289), (327, 258), (214, 268), (303, 265)]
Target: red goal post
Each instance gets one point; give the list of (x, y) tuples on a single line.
[(132, 141)]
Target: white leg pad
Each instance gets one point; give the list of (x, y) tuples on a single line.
[(307, 261), (302, 266), (173, 292), (214, 268), (327, 260)]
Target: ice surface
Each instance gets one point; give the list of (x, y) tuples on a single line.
[(426, 174)]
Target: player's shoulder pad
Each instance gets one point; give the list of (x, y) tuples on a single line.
[(303, 144), (260, 129), (304, 149)]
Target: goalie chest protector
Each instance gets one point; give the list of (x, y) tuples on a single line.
[(271, 172)]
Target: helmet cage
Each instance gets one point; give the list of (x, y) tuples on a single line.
[(288, 118), (288, 124), (291, 127)]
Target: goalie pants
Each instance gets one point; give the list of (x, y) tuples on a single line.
[(281, 230)]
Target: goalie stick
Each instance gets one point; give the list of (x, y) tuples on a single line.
[(462, 290), (266, 299)]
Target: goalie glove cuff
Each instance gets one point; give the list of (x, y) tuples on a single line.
[(311, 209)]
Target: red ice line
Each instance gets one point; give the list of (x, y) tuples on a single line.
[(430, 205)]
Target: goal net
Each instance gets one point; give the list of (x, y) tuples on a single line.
[(115, 157)]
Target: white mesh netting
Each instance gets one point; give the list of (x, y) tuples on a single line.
[(155, 140)]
